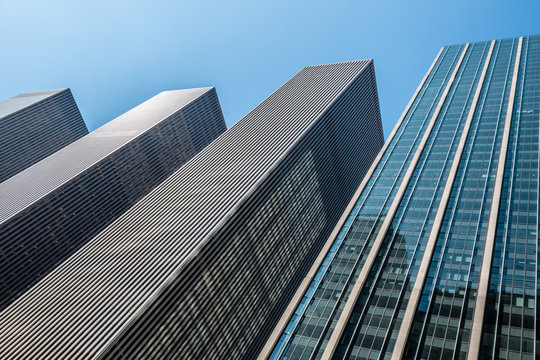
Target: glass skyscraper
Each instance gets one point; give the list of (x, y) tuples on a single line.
[(436, 256)]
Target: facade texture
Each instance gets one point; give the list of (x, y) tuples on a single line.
[(437, 256), (203, 266), (54, 207), (35, 125)]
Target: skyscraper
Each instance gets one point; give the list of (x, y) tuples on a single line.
[(204, 264), (437, 254), (35, 125), (51, 209)]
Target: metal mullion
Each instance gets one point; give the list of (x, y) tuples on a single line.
[(261, 178), (537, 221)]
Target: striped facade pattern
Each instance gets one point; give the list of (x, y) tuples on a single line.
[(53, 208), (203, 266), (34, 126), (437, 254)]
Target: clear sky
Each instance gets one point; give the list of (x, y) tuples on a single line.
[(116, 54)]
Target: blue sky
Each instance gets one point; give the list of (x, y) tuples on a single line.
[(116, 54)]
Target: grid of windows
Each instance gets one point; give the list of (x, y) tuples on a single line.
[(443, 320), (510, 324)]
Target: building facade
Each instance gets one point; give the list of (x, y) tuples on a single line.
[(35, 125), (437, 254), (203, 266), (53, 208)]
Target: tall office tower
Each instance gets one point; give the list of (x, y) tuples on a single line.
[(437, 255), (35, 125), (51, 209), (203, 266)]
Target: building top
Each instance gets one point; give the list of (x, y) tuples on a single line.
[(340, 63), (79, 309), (21, 101), (511, 38), (28, 186)]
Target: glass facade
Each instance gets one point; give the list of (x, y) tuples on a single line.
[(461, 104), (444, 317), (511, 314)]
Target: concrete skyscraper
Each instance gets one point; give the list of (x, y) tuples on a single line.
[(437, 255), (203, 266), (35, 125), (51, 209)]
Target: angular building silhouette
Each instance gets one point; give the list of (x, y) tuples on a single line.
[(437, 255), (35, 125), (51, 209), (203, 266)]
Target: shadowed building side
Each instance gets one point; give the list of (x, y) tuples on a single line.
[(53, 208), (34, 126)]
